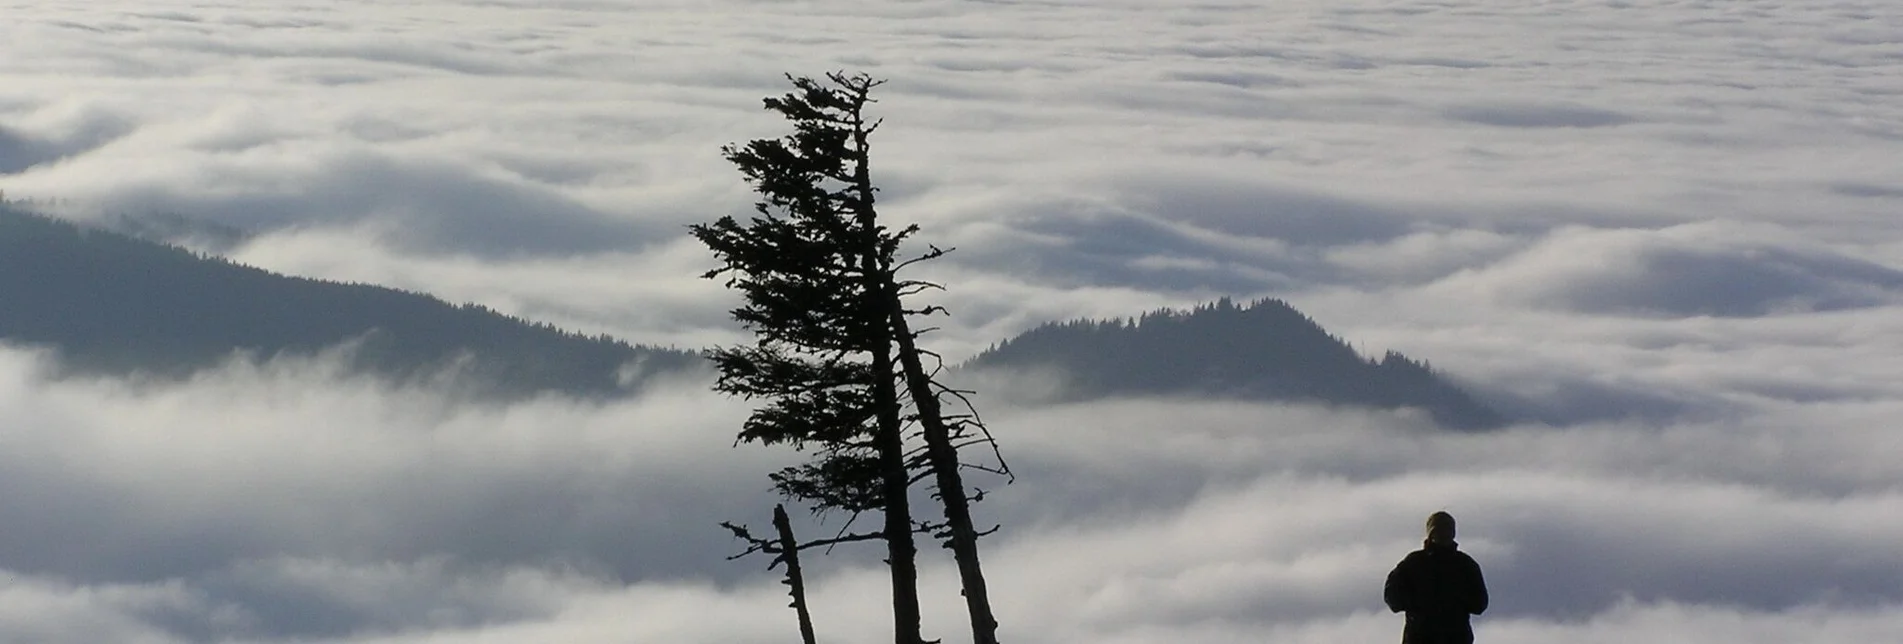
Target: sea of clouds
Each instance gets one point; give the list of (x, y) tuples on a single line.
[(1661, 233)]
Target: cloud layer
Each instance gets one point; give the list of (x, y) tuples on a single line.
[(1178, 151), (1663, 233), (310, 508)]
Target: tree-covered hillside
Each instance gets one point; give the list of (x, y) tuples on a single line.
[(1262, 351), (109, 303)]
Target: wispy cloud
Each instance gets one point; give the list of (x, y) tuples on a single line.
[(1664, 231), (312, 507)]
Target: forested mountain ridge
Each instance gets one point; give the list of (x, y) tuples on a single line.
[(1265, 350), (109, 303), (105, 302)]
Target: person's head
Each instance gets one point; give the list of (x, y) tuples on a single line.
[(1440, 528)]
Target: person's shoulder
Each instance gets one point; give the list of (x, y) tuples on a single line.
[(1441, 554)]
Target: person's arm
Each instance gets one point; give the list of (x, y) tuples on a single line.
[(1397, 589), (1477, 599)]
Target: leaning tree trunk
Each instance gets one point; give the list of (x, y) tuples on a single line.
[(901, 551), (943, 456), (795, 579), (896, 480), (951, 486)]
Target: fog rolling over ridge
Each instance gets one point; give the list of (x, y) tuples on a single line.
[(110, 304), (1264, 350), (1660, 237)]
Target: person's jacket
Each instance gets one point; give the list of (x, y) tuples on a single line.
[(1438, 587)]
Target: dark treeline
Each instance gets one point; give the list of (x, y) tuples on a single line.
[(1261, 351), (109, 303)]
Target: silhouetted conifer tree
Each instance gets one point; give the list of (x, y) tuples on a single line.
[(834, 349), (809, 267)]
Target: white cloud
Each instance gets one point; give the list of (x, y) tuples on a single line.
[(307, 507), (1667, 229), (1711, 268)]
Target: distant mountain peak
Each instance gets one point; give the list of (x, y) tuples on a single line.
[(106, 302), (1264, 350)]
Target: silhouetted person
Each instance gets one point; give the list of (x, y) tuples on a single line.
[(1439, 587)]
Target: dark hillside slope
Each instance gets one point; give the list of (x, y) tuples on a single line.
[(109, 303), (1263, 351)]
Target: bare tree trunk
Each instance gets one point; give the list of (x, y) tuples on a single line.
[(943, 456), (896, 483), (951, 487), (790, 553), (901, 551)]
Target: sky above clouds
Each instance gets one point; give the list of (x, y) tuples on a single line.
[(1662, 232)]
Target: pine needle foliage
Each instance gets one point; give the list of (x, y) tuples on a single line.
[(814, 268)]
